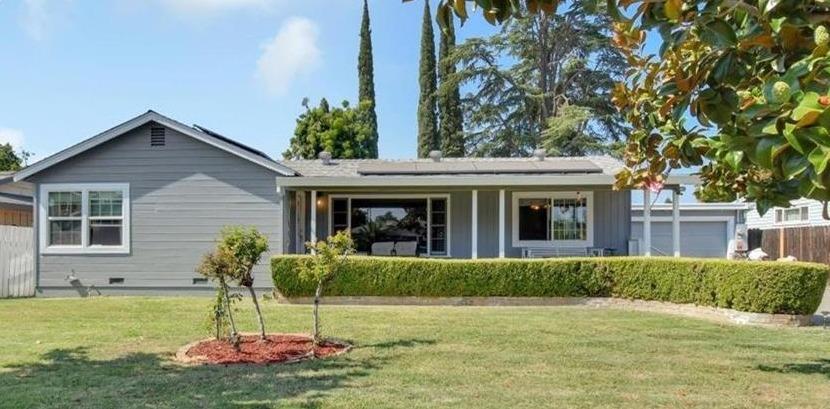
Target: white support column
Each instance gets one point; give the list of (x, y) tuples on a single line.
[(675, 221), (474, 238), (646, 223), (313, 206), (501, 223)]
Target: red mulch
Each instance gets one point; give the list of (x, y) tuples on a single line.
[(275, 349)]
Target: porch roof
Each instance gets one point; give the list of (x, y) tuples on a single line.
[(564, 171)]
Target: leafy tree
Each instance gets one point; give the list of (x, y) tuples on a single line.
[(528, 72), (366, 79), (11, 160), (427, 120), (451, 131), (242, 249), (215, 266), (345, 132), (753, 74), (328, 256)]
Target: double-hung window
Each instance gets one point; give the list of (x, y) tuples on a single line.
[(553, 219), (84, 218), (792, 215)]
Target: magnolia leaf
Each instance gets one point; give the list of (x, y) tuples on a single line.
[(765, 150), (819, 157), (672, 9), (792, 136), (722, 33), (794, 166), (771, 5)]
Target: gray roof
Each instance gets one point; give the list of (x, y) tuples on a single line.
[(605, 165), (6, 176)]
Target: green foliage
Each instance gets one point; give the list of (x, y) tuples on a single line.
[(450, 116), (345, 132), (522, 78), (328, 257), (767, 287), (366, 83), (11, 160), (243, 249), (427, 120)]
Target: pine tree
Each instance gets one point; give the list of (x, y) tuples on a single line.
[(366, 79), (451, 132), (427, 121)]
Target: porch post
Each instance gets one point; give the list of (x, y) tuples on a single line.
[(675, 221), (313, 232), (501, 223), (474, 238), (646, 223)]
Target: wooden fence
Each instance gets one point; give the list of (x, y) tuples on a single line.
[(803, 243), (21, 218), (17, 267)]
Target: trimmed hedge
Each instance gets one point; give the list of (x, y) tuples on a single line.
[(766, 287)]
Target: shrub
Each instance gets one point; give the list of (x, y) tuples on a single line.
[(766, 287)]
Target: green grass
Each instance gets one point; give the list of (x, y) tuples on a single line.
[(116, 352)]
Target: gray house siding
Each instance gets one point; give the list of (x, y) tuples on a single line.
[(612, 215), (182, 195)]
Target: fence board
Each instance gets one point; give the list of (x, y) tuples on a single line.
[(17, 272), (804, 243)]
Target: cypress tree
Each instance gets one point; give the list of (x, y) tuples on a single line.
[(427, 121), (451, 132), (366, 79)]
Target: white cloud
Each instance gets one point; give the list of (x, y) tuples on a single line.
[(292, 53), (39, 17), (190, 8), (12, 136)]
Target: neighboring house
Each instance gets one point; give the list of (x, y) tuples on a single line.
[(707, 229), (135, 207), (801, 213), (15, 201)]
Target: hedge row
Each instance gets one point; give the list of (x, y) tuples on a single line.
[(767, 287)]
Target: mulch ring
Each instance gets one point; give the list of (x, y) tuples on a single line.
[(276, 349)]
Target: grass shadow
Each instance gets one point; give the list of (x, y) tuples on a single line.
[(400, 343), (820, 367), (71, 378)]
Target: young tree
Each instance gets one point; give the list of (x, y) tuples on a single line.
[(216, 266), (451, 128), (328, 256), (242, 249), (525, 76), (345, 132), (366, 79), (427, 121)]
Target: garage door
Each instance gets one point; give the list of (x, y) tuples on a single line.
[(697, 239)]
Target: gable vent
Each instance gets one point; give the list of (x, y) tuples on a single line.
[(157, 137)]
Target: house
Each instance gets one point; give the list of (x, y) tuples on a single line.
[(15, 201), (799, 231), (801, 213), (708, 229), (135, 207)]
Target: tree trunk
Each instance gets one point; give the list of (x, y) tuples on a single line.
[(258, 313), (315, 331), (234, 334)]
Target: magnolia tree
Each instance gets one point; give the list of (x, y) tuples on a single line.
[(328, 256), (244, 249), (738, 87)]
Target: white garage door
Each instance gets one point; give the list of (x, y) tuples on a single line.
[(697, 239)]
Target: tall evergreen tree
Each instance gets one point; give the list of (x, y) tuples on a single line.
[(366, 78), (451, 132), (427, 120)]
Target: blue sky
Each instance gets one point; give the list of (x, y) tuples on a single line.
[(73, 68)]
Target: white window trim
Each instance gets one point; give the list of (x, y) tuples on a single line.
[(428, 196), (783, 210), (84, 248), (589, 202)]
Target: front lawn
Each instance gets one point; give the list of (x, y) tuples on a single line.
[(115, 352)]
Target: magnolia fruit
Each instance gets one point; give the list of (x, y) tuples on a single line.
[(821, 36), (824, 100), (780, 92)]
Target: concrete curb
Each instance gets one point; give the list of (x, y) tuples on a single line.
[(721, 315)]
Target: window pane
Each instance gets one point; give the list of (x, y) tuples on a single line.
[(105, 204), (570, 219), (340, 214), (438, 245), (390, 226), (65, 233), (64, 204), (534, 219), (105, 232)]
